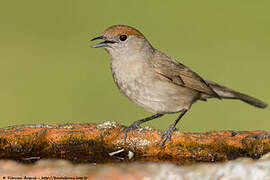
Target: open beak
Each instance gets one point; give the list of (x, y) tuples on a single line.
[(101, 44)]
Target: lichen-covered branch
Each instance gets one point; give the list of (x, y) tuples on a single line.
[(104, 143)]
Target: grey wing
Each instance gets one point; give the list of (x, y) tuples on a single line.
[(179, 74)]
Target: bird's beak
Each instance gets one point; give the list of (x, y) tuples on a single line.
[(101, 44)]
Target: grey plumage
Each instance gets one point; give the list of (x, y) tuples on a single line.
[(155, 81), (227, 93), (181, 75)]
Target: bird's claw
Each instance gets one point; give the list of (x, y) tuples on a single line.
[(132, 127), (167, 136)]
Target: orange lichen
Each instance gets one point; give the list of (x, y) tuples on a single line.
[(104, 143)]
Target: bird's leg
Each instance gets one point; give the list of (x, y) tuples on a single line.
[(136, 124), (167, 134)]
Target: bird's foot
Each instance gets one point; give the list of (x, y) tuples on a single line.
[(167, 135), (132, 127)]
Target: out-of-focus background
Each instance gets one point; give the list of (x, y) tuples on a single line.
[(49, 73)]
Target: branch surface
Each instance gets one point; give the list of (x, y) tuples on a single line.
[(104, 143)]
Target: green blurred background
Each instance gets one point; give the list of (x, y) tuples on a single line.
[(49, 73)]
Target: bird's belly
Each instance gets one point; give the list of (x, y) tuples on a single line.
[(153, 94)]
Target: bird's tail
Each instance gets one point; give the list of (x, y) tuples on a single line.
[(227, 93)]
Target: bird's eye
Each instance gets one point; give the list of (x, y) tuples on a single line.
[(123, 37)]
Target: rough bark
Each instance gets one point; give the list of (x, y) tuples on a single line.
[(104, 143)]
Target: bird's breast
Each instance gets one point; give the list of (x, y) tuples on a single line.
[(131, 77), (139, 82)]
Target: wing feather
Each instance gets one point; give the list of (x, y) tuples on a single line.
[(179, 74)]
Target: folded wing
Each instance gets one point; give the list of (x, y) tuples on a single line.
[(179, 74)]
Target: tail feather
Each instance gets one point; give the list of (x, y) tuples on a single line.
[(227, 93)]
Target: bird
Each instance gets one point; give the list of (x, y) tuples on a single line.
[(155, 81)]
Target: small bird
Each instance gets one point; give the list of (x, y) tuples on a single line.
[(155, 81)]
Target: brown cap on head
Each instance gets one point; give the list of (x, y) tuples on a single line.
[(121, 29)]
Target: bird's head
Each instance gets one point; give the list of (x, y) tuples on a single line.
[(122, 39)]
